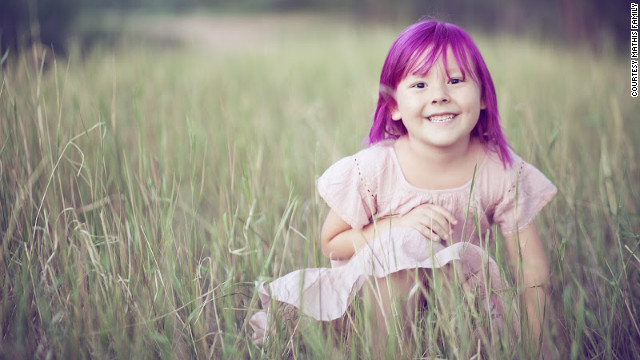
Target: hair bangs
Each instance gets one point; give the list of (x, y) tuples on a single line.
[(422, 60), (433, 48)]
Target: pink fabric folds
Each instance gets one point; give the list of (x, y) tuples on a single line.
[(326, 293)]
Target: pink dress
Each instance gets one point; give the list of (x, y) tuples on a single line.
[(371, 184)]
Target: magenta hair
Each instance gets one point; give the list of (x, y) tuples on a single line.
[(405, 56)]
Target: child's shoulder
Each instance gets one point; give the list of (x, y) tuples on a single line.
[(376, 158), (500, 173), (375, 151), (505, 177), (494, 164), (367, 163)]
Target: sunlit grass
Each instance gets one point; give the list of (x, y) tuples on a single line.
[(144, 190)]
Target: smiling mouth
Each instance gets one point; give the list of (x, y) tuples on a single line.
[(440, 118)]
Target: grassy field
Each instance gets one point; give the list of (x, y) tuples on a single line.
[(144, 188)]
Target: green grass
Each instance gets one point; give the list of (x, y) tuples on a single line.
[(145, 188)]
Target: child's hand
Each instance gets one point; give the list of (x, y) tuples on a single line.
[(432, 221)]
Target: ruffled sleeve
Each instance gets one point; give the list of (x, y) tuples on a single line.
[(526, 193), (347, 193)]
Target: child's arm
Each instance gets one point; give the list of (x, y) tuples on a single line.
[(340, 241), (528, 259)]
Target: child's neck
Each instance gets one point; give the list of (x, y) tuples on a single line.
[(454, 166)]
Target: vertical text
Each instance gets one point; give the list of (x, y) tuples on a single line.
[(634, 50)]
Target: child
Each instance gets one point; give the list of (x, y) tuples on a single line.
[(437, 175)]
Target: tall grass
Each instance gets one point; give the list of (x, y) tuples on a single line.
[(145, 188)]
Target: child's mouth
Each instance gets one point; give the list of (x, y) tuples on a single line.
[(440, 118)]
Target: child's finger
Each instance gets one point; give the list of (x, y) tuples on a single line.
[(432, 211), (429, 233), (438, 222), (445, 213), (439, 228)]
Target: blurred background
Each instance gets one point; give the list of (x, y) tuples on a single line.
[(165, 157), (601, 25)]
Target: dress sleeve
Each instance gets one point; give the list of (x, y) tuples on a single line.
[(345, 190), (526, 194)]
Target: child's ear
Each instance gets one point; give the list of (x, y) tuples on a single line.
[(395, 114), (483, 106)]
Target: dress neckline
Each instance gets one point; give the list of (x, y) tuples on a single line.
[(396, 163)]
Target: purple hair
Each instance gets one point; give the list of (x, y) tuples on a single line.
[(405, 56)]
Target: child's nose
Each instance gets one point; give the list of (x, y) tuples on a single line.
[(439, 94), (441, 99)]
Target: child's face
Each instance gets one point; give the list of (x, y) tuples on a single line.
[(439, 110)]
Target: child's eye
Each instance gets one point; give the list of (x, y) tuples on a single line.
[(455, 81), (419, 85)]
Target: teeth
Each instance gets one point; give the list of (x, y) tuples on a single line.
[(441, 118)]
